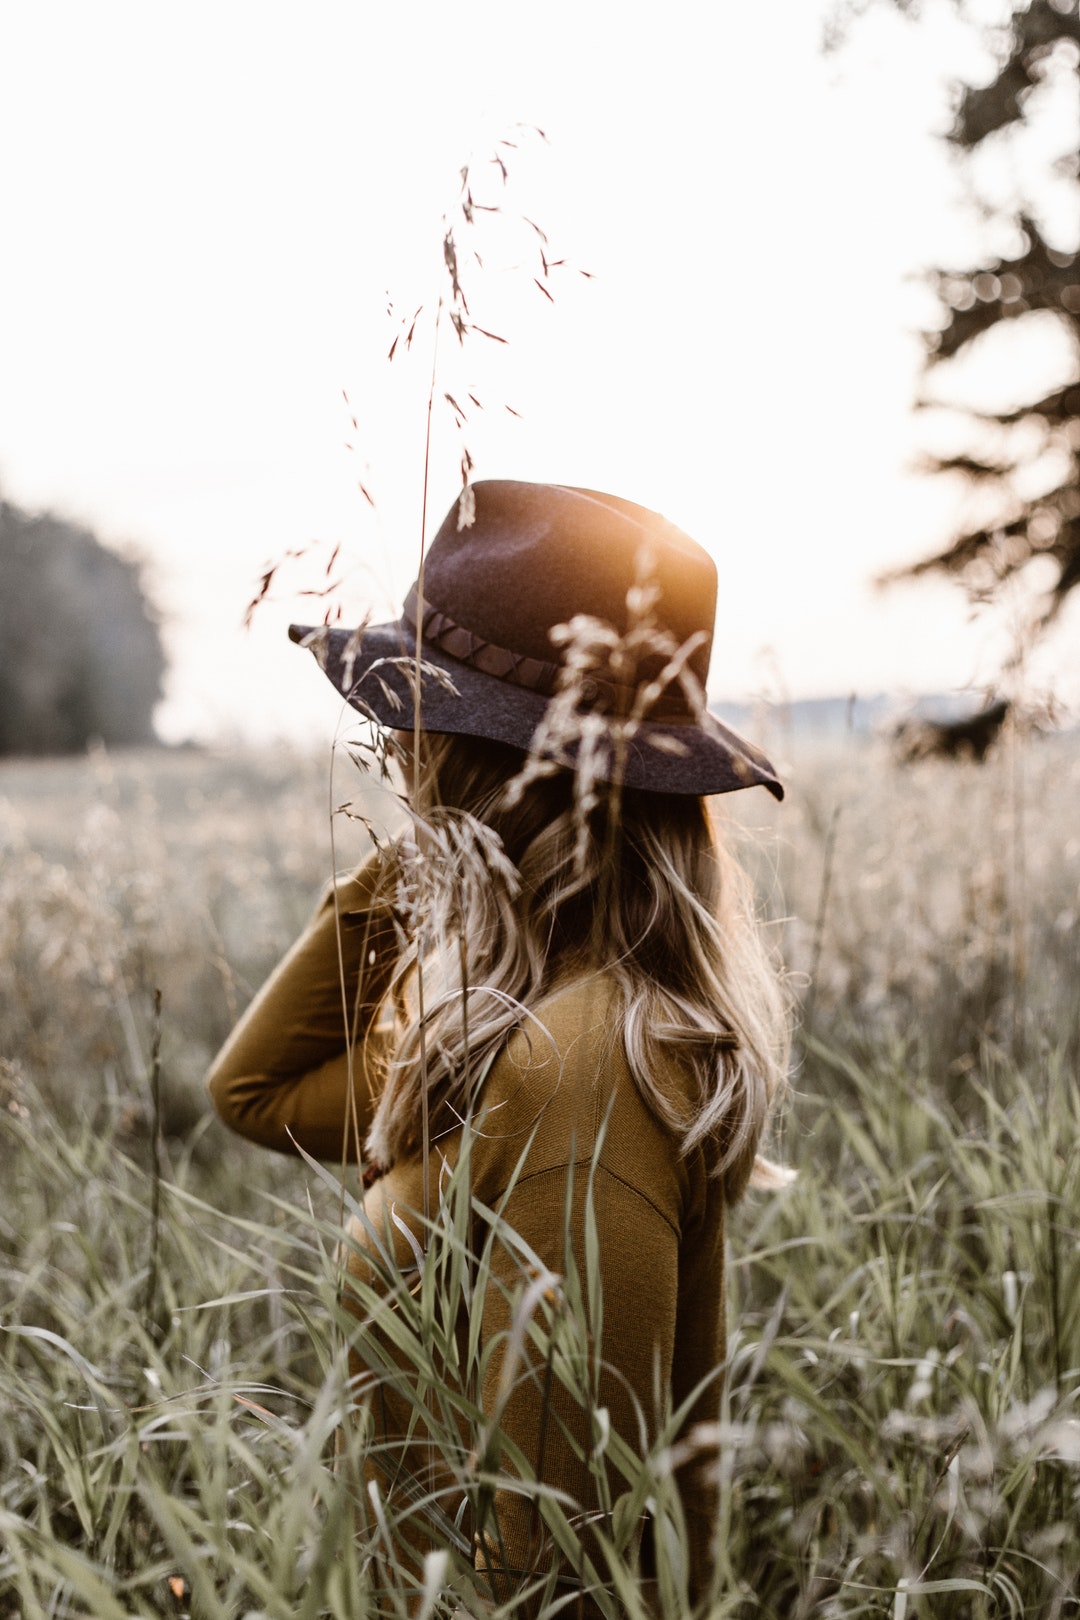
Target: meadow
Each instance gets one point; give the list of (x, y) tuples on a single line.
[(899, 1433)]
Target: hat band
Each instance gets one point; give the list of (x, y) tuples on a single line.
[(450, 637), (535, 674)]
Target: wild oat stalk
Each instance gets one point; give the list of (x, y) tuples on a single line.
[(592, 742), (157, 1148)]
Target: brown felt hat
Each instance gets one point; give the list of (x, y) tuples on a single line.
[(511, 562)]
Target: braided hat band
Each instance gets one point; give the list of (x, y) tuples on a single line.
[(440, 630)]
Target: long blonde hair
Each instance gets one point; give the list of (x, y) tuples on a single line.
[(514, 893)]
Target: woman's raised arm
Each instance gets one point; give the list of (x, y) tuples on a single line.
[(308, 1040)]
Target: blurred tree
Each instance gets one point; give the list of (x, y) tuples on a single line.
[(80, 648), (1024, 463)]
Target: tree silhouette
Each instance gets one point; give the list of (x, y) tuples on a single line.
[(1024, 463), (80, 648)]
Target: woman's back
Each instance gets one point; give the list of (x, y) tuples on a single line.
[(566, 1151)]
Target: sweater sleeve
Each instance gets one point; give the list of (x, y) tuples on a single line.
[(301, 1065), (700, 1354)]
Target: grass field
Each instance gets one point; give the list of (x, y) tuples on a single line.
[(900, 1430)]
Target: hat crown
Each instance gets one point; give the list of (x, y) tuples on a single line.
[(535, 555)]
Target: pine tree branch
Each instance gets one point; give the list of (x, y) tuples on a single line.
[(985, 109), (1040, 278)]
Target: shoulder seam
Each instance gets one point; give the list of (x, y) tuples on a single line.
[(561, 1169)]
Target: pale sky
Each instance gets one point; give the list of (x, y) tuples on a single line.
[(205, 206)]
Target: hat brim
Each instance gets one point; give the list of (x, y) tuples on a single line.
[(374, 670)]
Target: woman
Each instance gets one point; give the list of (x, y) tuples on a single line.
[(557, 969)]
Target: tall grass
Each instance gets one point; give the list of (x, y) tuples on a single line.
[(898, 1432)]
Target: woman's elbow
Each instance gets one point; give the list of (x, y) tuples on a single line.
[(221, 1086), (239, 1102)]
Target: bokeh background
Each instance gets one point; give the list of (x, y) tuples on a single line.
[(217, 219)]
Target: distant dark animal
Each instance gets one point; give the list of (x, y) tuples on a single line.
[(951, 739)]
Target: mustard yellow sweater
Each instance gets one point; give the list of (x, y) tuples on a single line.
[(283, 1078)]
